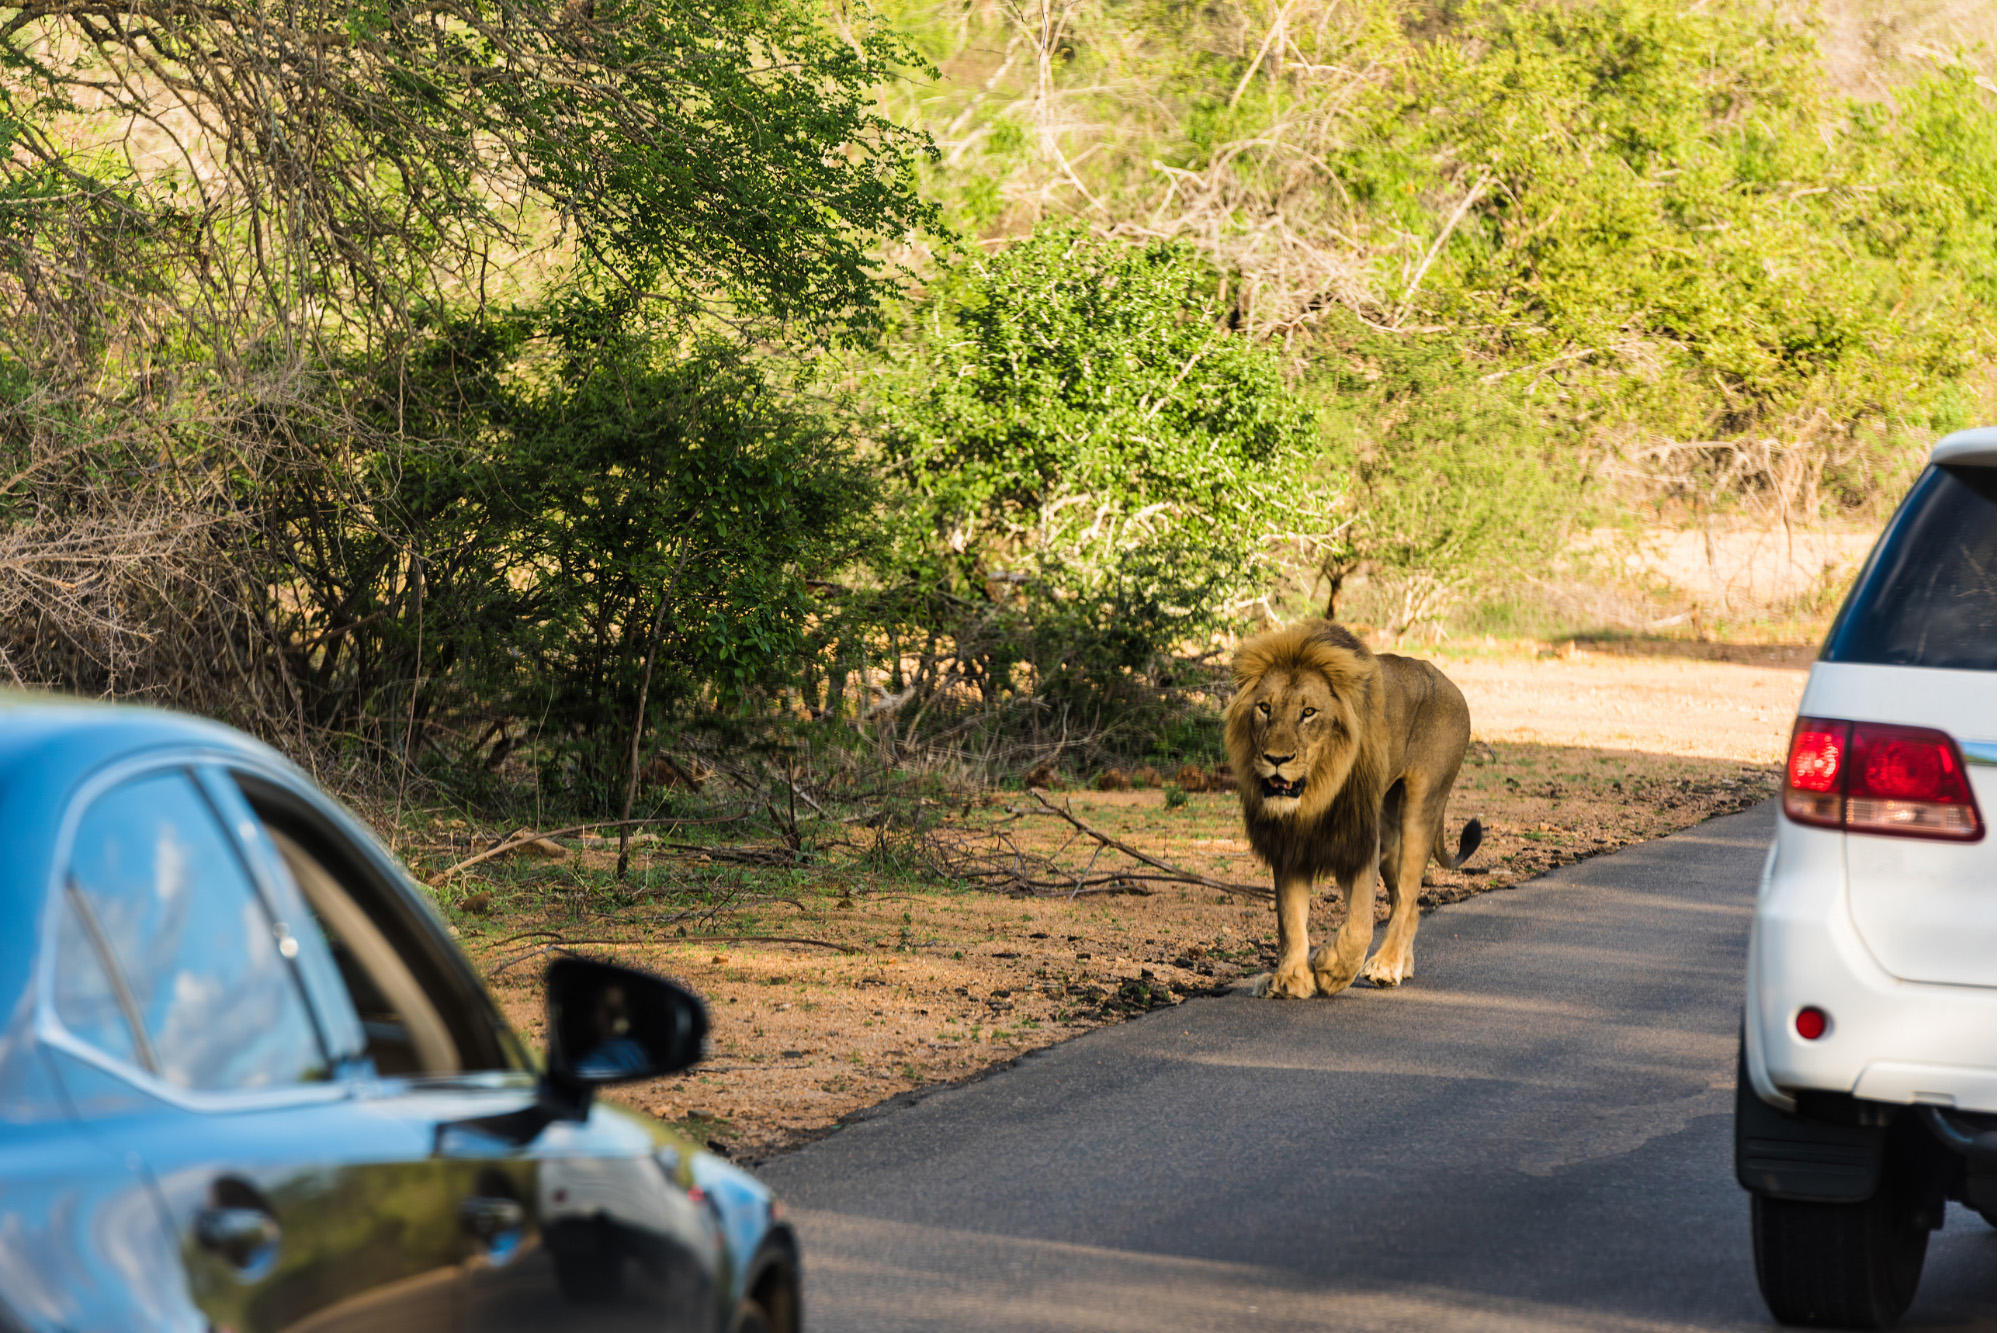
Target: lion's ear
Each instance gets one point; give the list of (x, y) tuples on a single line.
[(1252, 660), (1343, 663)]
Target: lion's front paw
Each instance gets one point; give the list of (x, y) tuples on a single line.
[(1328, 975), (1287, 983), (1387, 972), (1332, 983)]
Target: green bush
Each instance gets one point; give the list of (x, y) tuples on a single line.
[(666, 510), (1458, 491), (600, 509), (1680, 247), (1654, 232), (1085, 464)]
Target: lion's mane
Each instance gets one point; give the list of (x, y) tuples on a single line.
[(1334, 828)]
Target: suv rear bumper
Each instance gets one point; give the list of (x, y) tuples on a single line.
[(1887, 1040)]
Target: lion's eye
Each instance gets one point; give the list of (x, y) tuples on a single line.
[(1265, 709), (1310, 712)]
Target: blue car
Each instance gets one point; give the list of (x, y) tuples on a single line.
[(247, 1081)]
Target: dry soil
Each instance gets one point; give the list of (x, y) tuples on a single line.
[(839, 1001)]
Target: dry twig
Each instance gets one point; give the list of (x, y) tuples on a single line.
[(561, 945), (523, 839), (993, 860), (1172, 871)]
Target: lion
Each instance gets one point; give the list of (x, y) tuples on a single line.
[(1344, 759)]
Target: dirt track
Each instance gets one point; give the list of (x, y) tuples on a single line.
[(1583, 752), (1660, 705)]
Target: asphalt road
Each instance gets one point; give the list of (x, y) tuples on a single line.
[(1534, 1134)]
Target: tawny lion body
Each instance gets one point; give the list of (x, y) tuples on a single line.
[(1344, 759)]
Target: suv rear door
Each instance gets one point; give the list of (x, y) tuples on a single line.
[(1915, 646)]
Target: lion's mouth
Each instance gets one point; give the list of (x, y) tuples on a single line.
[(1277, 786)]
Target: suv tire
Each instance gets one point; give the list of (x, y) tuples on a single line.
[(1839, 1265)]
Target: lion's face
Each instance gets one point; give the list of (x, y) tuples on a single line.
[(1298, 734), (1301, 724)]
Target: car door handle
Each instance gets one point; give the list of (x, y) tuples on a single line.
[(246, 1237), (489, 1217)]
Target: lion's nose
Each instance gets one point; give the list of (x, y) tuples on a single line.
[(1277, 760)]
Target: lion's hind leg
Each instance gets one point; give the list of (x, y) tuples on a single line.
[(1396, 961)]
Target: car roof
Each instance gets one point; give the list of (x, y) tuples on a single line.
[(1973, 448), (60, 738), (49, 744)]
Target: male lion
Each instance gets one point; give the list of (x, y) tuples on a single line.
[(1344, 759)]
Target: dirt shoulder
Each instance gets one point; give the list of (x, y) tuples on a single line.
[(858, 984)]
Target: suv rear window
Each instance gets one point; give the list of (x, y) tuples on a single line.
[(1926, 596)]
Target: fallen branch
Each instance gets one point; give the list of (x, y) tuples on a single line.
[(765, 939), (1173, 872), (993, 860), (779, 855), (523, 839), (529, 935), (563, 945), (725, 906)]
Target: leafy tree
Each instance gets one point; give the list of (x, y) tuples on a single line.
[(617, 528), (1457, 491), (1685, 248), (1653, 233), (668, 513), (1090, 464), (344, 169), (259, 265)]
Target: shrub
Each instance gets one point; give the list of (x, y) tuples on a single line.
[(1085, 462)]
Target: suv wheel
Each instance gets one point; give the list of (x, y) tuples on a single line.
[(1839, 1265)]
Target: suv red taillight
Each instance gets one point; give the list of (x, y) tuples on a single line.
[(1873, 777)]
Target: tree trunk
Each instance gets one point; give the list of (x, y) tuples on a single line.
[(639, 715)]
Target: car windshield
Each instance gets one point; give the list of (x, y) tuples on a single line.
[(1926, 596)]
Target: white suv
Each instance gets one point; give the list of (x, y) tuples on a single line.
[(1865, 1093)]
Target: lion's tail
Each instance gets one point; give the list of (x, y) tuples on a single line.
[(1468, 843)]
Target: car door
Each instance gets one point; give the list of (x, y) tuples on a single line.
[(626, 1243), (82, 1239), (296, 1204), (576, 1223)]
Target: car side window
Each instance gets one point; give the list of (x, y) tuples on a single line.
[(421, 1013), (1926, 597), (404, 1028), (87, 1000), (186, 950)]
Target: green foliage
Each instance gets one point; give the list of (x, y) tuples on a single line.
[(1457, 491), (682, 493), (1677, 231), (593, 509), (1066, 368), (1087, 463), (432, 413), (383, 162), (1653, 234), (275, 447)]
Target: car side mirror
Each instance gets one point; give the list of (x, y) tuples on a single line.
[(611, 1024)]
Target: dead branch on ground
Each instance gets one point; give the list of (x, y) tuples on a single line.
[(564, 945), (518, 840), (992, 859)]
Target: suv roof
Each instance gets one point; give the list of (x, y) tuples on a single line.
[(1972, 448)]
